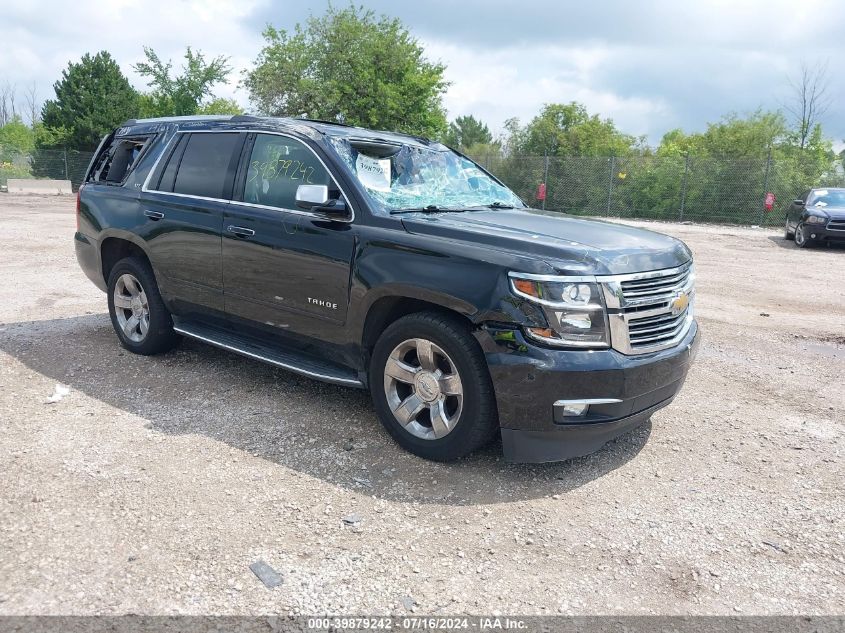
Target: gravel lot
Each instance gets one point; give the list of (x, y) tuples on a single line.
[(154, 484)]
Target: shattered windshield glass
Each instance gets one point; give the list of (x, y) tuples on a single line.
[(401, 177)]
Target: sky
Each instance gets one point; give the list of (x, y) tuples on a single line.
[(650, 66)]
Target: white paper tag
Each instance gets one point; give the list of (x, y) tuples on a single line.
[(374, 173)]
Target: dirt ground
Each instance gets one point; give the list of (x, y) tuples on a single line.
[(155, 482)]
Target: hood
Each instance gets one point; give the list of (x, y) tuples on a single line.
[(570, 245), (836, 213)]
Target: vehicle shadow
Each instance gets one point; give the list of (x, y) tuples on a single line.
[(325, 431), (779, 240)]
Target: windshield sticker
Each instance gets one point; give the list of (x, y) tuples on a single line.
[(374, 173), (821, 203), (822, 192)]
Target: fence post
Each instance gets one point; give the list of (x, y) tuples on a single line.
[(65, 156), (765, 187), (546, 179), (684, 187), (610, 183)]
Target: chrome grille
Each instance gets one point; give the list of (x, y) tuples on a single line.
[(645, 313)]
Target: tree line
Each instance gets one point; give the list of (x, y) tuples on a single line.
[(352, 66)]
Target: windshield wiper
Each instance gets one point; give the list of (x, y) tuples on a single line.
[(499, 205), (432, 208)]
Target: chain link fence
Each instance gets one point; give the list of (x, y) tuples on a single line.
[(664, 188), (58, 164), (646, 187)]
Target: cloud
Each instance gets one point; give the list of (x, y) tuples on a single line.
[(648, 66)]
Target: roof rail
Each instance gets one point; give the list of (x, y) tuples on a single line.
[(305, 118), (244, 118)]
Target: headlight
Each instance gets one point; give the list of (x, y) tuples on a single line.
[(574, 309), (817, 219)]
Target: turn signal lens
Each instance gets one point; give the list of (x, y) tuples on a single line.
[(527, 287), (542, 332)]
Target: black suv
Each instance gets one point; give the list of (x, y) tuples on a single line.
[(389, 262)]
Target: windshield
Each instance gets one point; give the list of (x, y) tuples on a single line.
[(401, 177), (822, 198)]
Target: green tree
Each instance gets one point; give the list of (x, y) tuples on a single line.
[(16, 137), (221, 106), (352, 67), (569, 130), (92, 98), (466, 131), (183, 94)]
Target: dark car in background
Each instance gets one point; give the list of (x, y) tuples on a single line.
[(818, 216)]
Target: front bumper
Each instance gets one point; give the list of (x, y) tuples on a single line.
[(821, 233), (529, 379)]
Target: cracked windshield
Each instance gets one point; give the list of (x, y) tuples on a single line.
[(406, 177)]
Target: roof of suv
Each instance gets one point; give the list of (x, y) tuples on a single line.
[(242, 121)]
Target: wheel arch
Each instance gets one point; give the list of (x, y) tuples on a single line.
[(116, 246), (391, 304)]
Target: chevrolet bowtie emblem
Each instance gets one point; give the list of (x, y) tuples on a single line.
[(679, 303)]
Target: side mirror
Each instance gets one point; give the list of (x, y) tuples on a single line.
[(310, 196), (316, 198), (798, 202)]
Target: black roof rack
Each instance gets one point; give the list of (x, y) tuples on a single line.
[(244, 118), (303, 118)]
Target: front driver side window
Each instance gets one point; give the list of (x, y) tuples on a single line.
[(277, 166)]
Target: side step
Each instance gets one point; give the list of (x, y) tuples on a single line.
[(291, 360)]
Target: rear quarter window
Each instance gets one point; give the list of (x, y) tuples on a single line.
[(118, 158)]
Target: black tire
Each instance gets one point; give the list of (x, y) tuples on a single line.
[(787, 234), (478, 420), (159, 336), (802, 240)]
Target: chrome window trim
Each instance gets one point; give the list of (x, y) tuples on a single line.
[(164, 151)]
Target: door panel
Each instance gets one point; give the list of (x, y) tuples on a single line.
[(182, 214), (293, 270), (292, 273), (184, 247)]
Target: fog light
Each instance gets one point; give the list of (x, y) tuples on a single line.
[(574, 409)]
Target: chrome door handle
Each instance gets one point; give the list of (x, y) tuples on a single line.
[(240, 231), (154, 215)]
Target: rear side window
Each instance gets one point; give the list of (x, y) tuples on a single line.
[(202, 168), (117, 159), (277, 166)]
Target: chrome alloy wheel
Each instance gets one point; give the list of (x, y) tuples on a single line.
[(423, 389), (800, 236), (131, 308)]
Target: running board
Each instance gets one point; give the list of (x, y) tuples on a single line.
[(296, 362)]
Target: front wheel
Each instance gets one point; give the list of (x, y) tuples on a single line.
[(431, 387), (801, 238), (138, 314), (787, 234)]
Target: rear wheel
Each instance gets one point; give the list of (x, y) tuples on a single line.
[(431, 387), (138, 314)]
